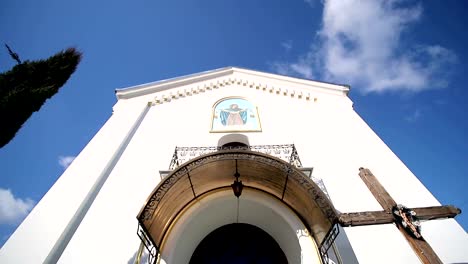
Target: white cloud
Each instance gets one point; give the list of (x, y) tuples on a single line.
[(12, 209), (360, 43), (287, 45), (65, 161), (301, 69), (310, 2), (415, 115)]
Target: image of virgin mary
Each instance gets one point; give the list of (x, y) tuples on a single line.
[(233, 116)]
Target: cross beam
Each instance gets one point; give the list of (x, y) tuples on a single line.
[(422, 249), (385, 217)]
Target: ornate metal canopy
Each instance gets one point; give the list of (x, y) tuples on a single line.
[(215, 170)]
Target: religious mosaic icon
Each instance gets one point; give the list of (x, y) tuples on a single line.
[(235, 114)]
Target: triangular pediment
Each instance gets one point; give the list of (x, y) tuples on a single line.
[(167, 90)]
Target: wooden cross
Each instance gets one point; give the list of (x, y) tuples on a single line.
[(422, 249)]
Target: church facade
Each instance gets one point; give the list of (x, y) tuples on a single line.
[(234, 165)]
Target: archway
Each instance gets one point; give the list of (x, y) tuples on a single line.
[(238, 243), (195, 183), (219, 208)]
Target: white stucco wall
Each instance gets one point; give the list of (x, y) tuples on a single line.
[(45, 224), (327, 132)]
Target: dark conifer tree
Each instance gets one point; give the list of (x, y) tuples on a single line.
[(25, 87)]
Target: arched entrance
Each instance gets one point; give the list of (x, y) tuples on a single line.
[(196, 199), (238, 243), (218, 209)]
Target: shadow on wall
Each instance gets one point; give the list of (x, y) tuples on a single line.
[(144, 258), (233, 138)]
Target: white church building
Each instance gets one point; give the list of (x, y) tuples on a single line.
[(237, 166)]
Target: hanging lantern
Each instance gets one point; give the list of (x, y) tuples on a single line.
[(237, 185)]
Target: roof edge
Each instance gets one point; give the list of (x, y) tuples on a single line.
[(157, 86)]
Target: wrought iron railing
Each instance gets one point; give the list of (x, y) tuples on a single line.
[(328, 243), (285, 152), (151, 249)]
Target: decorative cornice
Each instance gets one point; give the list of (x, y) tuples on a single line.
[(180, 87), (174, 94)]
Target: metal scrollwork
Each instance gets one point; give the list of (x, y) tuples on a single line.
[(319, 195), (286, 152), (282, 157), (149, 245), (328, 242)]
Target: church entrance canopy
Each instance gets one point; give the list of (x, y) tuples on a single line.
[(214, 171)]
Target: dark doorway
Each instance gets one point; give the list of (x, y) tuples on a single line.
[(238, 244), (234, 145)]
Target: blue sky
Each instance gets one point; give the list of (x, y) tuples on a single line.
[(405, 62)]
